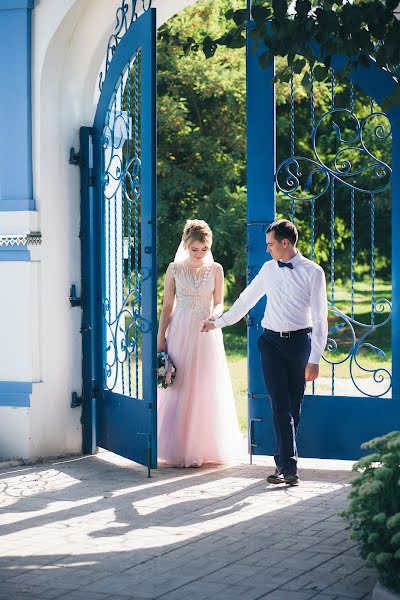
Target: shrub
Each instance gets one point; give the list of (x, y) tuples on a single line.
[(374, 509)]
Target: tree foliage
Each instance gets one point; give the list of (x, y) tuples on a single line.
[(201, 139), (354, 30), (202, 153)]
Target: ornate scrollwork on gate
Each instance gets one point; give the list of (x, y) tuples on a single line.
[(353, 355), (354, 164), (121, 185), (125, 15), (122, 339), (345, 152)]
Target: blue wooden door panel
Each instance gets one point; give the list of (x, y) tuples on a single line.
[(123, 426), (335, 427)]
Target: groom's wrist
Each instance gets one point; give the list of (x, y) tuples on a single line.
[(220, 322)]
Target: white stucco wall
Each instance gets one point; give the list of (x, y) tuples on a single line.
[(69, 41)]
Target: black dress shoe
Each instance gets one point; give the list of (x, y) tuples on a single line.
[(281, 478), (276, 478), (292, 479)]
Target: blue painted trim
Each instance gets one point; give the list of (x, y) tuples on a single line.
[(15, 393), (15, 387), (16, 4), (17, 204), (14, 253), (16, 182)]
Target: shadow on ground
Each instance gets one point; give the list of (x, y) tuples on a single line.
[(96, 528)]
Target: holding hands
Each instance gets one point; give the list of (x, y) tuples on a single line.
[(209, 324)]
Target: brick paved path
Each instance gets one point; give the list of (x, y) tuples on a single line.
[(95, 528)]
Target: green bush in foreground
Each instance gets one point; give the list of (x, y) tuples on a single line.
[(374, 509)]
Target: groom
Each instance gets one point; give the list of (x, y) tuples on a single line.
[(293, 339)]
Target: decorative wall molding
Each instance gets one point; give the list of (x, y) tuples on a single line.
[(32, 238)]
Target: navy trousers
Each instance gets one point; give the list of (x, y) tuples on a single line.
[(283, 362)]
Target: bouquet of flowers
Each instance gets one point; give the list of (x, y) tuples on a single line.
[(166, 370)]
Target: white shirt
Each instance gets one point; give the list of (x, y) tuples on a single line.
[(296, 299)]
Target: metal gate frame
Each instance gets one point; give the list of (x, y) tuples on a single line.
[(120, 421), (331, 427)]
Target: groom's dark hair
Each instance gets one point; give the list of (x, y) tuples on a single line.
[(284, 229)]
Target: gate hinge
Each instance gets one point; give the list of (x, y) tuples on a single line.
[(73, 298), (74, 157), (76, 400)]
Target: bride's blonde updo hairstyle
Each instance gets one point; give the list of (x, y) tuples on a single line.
[(196, 230)]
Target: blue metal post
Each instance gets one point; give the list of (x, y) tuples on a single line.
[(260, 212), (148, 231), (88, 288), (16, 189), (395, 120)]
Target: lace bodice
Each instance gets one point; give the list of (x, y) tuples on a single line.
[(194, 288)]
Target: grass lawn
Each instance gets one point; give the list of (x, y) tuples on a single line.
[(381, 338), (236, 342), (238, 371)]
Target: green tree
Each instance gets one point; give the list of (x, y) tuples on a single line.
[(202, 160), (201, 139)]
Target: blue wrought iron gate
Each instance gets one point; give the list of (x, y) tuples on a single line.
[(118, 231), (337, 417)]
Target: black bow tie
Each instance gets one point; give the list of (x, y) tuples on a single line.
[(282, 264)]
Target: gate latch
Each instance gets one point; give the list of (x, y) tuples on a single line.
[(73, 298)]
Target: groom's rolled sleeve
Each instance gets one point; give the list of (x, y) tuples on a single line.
[(319, 315), (247, 299)]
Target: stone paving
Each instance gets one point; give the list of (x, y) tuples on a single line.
[(95, 528)]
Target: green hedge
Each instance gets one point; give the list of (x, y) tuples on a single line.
[(374, 509)]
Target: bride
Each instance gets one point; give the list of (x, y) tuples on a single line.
[(197, 421)]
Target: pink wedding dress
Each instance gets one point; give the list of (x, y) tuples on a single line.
[(197, 421)]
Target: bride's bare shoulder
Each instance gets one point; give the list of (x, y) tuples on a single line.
[(176, 264), (173, 267), (218, 267)]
